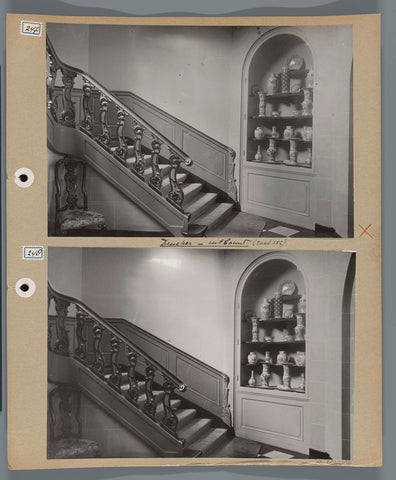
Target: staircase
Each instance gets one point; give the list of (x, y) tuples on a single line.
[(96, 356), (138, 159)]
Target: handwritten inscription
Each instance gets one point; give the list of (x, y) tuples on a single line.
[(33, 253), (31, 28), (224, 242)]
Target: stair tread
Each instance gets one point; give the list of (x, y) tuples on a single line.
[(193, 429), (210, 440), (132, 158), (199, 203), (180, 178), (215, 214)]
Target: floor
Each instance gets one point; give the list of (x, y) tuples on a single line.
[(242, 448)]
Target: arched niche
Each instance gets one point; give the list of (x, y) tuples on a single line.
[(261, 281)]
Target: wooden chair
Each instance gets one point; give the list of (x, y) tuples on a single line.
[(65, 428), (71, 204)]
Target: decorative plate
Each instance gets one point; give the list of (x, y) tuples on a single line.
[(295, 63), (287, 287)]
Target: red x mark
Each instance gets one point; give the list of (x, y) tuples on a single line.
[(365, 230)]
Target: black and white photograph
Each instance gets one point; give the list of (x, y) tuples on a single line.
[(200, 131), (200, 353)]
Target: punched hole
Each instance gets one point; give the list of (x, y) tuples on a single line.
[(24, 287), (23, 178)]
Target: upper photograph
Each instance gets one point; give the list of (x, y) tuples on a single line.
[(200, 131)]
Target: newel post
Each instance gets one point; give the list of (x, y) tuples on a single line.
[(68, 115), (62, 335), (52, 103), (170, 420)]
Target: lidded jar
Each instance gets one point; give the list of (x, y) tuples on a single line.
[(300, 359), (259, 132), (288, 132), (272, 84), (267, 357), (281, 357), (252, 358)]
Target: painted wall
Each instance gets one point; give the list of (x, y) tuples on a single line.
[(183, 70)]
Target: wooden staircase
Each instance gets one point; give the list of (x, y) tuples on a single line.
[(203, 207), (131, 385), (187, 196)]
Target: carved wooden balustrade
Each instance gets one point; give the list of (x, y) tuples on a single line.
[(91, 325), (129, 124)]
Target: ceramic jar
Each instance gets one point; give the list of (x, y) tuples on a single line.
[(252, 358), (308, 159), (265, 376), (281, 357), (259, 156), (285, 80), (261, 103), (252, 380), (307, 103), (288, 132), (274, 132), (272, 84), (299, 329), (307, 134), (309, 82), (293, 152), (259, 132), (254, 329), (267, 357), (278, 305), (271, 150), (265, 309), (300, 359), (286, 378), (302, 305), (287, 336), (301, 385)]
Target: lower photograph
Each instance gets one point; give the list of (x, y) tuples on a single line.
[(158, 352)]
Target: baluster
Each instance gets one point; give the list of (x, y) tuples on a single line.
[(176, 194), (156, 179), (86, 123), (121, 152), (104, 137), (49, 337), (68, 115), (62, 337), (133, 392), (52, 103), (150, 404), (138, 166), (98, 366), (170, 421), (80, 353), (116, 375)]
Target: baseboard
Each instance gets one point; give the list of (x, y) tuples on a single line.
[(318, 454), (321, 230)]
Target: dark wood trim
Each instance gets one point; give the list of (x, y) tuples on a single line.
[(321, 230)]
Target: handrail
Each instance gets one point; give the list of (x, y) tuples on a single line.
[(155, 133), (182, 387)]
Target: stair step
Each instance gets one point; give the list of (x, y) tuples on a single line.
[(214, 215), (141, 385), (199, 204), (194, 429), (130, 150), (180, 178), (190, 190), (147, 160), (159, 395), (175, 404), (164, 169), (209, 441), (184, 416)]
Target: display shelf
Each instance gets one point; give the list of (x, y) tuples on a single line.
[(274, 387), (261, 362), (283, 95), (301, 165), (283, 118), (291, 342)]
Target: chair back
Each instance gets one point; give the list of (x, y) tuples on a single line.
[(64, 413), (70, 176)]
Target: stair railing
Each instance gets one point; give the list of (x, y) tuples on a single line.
[(138, 126), (86, 318)]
